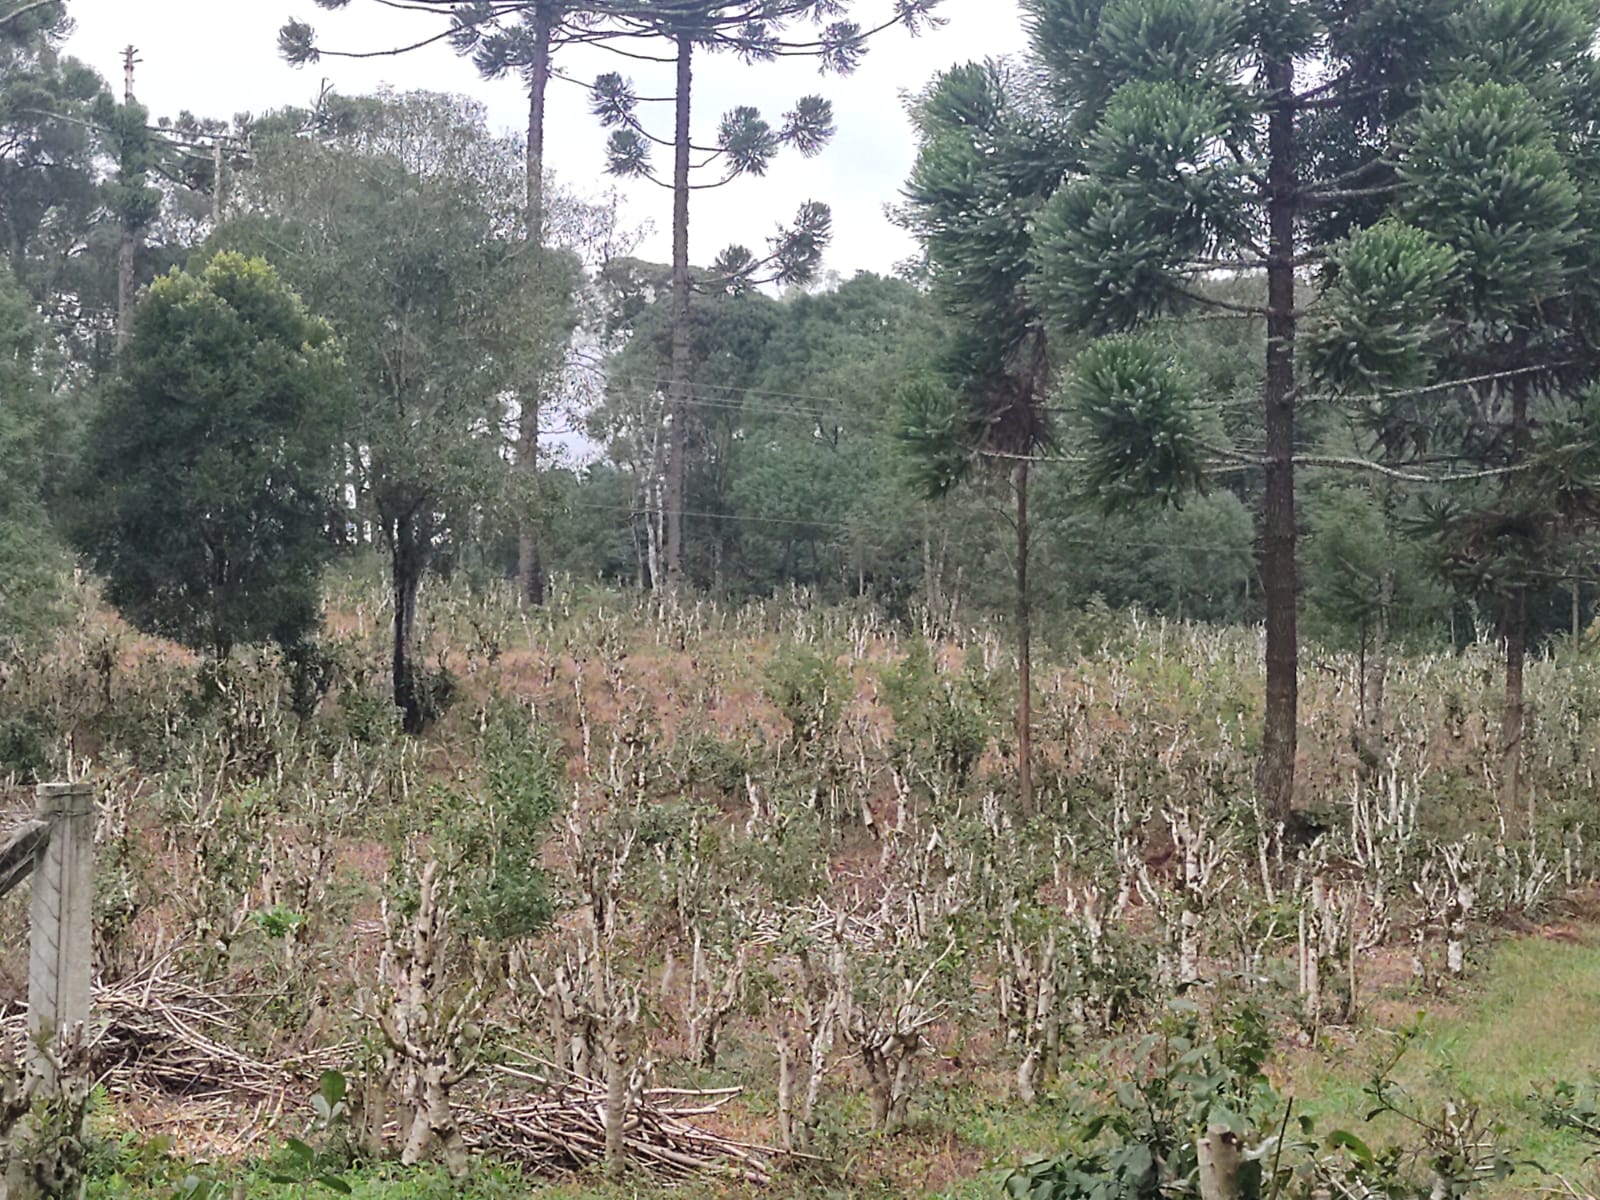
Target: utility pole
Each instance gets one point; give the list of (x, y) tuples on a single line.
[(125, 251), (216, 181)]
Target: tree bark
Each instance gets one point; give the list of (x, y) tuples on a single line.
[(530, 562), (1278, 580), (678, 385), (1514, 631), (786, 1082), (1221, 1159), (407, 563), (616, 1124), (1376, 678), (1024, 652)]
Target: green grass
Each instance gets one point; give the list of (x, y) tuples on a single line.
[(1530, 1016)]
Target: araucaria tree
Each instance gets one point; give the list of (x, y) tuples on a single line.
[(50, 195), (209, 470), (1215, 137), (1203, 142), (1462, 326), (984, 169), (745, 144)]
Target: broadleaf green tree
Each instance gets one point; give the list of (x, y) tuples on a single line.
[(501, 37), (819, 477), (210, 466), (404, 231)]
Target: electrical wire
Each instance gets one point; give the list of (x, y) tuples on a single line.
[(1065, 540)]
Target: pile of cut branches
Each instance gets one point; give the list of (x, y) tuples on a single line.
[(161, 1042), (551, 1126)]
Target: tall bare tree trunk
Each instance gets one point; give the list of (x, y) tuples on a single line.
[(1024, 652), (650, 500), (408, 561), (1514, 630), (1376, 679), (530, 563), (678, 385), (1278, 518), (216, 181)]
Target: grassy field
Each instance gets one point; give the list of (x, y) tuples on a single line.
[(1529, 1016)]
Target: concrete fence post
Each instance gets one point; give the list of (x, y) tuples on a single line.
[(41, 1125), (62, 945)]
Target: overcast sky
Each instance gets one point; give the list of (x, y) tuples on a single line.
[(214, 65)]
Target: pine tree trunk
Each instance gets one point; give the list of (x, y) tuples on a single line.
[(407, 566), (530, 563), (1514, 629), (678, 385), (1377, 675), (1024, 652), (1278, 518)]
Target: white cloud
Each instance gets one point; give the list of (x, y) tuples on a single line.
[(218, 66)]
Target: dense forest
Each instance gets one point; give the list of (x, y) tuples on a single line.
[(1050, 707), (799, 416)]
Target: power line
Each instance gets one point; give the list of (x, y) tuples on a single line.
[(662, 381), (736, 404), (870, 527)]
